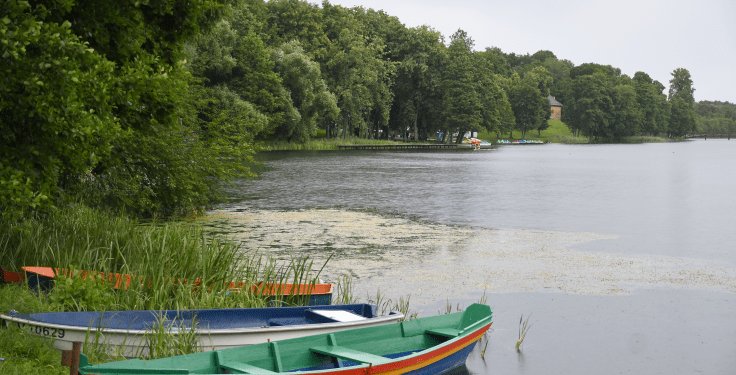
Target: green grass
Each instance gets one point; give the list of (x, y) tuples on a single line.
[(25, 353), (645, 139), (557, 132), (320, 144), (79, 238), (164, 259)]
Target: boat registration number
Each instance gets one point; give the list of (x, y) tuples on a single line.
[(44, 331)]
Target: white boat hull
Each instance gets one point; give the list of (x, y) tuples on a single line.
[(135, 343)]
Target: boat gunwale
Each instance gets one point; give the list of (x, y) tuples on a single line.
[(409, 362), (394, 316), (441, 354)]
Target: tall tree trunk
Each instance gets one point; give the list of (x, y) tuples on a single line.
[(416, 127)]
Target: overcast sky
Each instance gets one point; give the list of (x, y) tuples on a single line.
[(654, 36)]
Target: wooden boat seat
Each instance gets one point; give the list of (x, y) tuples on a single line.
[(244, 368), (338, 315), (342, 352), (235, 367), (444, 332)]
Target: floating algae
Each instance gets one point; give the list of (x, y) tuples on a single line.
[(432, 262)]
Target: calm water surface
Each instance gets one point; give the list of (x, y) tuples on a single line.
[(646, 209), (674, 199)]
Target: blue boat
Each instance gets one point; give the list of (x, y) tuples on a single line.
[(125, 331)]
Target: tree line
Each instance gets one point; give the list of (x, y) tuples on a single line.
[(716, 119), (147, 107)]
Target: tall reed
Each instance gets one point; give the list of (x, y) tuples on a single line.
[(171, 265), (523, 329)]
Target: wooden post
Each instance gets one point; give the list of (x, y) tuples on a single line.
[(76, 352), (66, 358)]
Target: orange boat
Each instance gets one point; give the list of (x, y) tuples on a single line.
[(10, 277), (320, 294), (42, 277)]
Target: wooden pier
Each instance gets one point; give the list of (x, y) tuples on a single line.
[(411, 146)]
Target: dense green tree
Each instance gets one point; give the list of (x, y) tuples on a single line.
[(652, 103), (716, 118), (123, 30), (356, 73), (530, 107), (682, 102), (233, 54), (590, 68), (419, 57), (289, 20), (497, 113), (303, 79), (682, 118), (528, 98), (681, 85), (495, 61), (589, 105), (56, 120), (544, 80), (561, 81), (626, 116), (462, 102), (115, 117)]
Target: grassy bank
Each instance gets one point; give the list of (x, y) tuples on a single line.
[(80, 238), (163, 259), (320, 144), (645, 139), (23, 353), (557, 132)]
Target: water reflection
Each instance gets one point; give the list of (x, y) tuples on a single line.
[(668, 199), (622, 252)]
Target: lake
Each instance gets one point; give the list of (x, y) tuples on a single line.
[(623, 255)]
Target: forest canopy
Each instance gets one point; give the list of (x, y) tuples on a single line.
[(149, 108)]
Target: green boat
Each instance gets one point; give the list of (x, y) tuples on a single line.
[(431, 345)]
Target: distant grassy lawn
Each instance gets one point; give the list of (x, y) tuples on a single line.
[(320, 144), (645, 139), (557, 132)]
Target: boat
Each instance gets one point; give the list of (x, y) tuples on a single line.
[(520, 142), (10, 277), (430, 345), (42, 278), (124, 332)]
